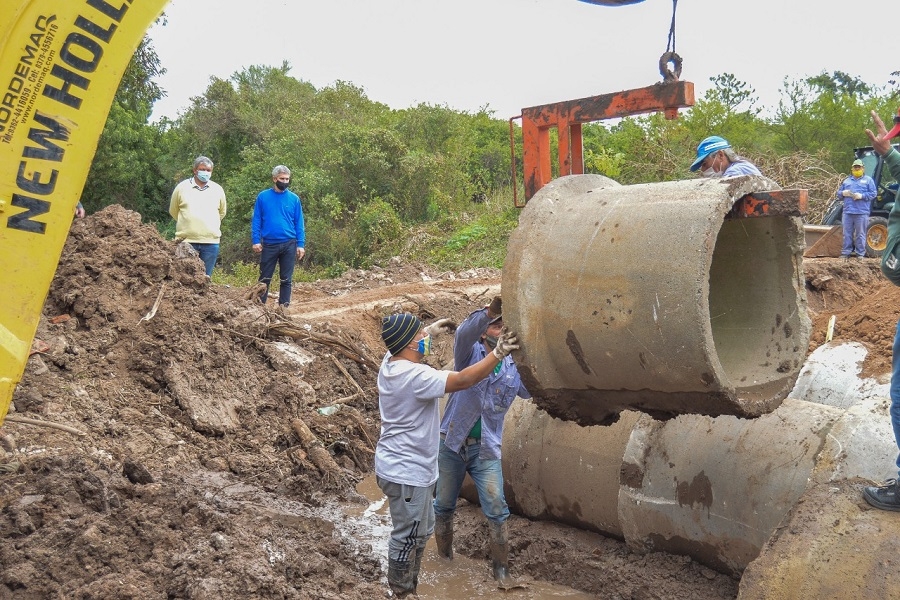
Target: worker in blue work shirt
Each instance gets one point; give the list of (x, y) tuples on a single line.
[(471, 435), (857, 192)]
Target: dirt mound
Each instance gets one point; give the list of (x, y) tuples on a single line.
[(208, 469), (866, 307)]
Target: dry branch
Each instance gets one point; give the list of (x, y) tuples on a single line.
[(340, 346), (153, 310), (360, 422), (359, 391), (27, 421), (315, 449)]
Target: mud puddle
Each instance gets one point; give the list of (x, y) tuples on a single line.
[(460, 579)]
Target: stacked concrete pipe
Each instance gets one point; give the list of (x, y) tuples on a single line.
[(652, 298), (713, 488)]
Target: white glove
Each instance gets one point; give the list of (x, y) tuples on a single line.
[(846, 193), (857, 196), (440, 326), (506, 343)]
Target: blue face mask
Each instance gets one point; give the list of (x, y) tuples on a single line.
[(424, 347), (203, 176)]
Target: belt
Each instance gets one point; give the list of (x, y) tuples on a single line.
[(469, 441)]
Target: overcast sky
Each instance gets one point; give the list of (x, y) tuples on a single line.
[(510, 54)]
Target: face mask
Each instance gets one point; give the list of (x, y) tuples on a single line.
[(425, 346), (282, 185), (203, 176), (491, 341), (857, 172), (710, 172)]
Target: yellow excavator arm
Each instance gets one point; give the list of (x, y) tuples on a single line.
[(60, 66)]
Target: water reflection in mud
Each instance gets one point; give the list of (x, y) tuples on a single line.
[(459, 579)]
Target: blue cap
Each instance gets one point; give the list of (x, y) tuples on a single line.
[(398, 330), (711, 144)]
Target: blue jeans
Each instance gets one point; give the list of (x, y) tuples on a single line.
[(208, 254), (854, 234), (895, 392), (487, 475), (285, 255)]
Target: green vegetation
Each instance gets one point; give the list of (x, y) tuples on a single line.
[(378, 182)]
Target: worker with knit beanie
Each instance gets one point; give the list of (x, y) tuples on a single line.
[(406, 457)]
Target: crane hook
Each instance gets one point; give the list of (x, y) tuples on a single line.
[(670, 75)]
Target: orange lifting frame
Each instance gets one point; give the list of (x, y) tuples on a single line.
[(567, 117)]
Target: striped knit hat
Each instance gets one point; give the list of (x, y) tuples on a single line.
[(398, 330)]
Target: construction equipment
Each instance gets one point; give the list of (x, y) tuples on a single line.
[(61, 64), (876, 232)]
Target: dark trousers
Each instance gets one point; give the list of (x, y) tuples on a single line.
[(284, 255)]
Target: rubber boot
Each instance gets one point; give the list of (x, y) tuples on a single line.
[(443, 535), (417, 566), (400, 577), (500, 556)]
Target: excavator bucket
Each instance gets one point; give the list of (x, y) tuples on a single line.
[(823, 241)]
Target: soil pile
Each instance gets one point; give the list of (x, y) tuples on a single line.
[(866, 307), (220, 436)]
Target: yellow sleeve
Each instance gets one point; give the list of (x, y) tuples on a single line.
[(175, 203)]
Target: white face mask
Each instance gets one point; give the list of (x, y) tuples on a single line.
[(710, 172), (203, 176)]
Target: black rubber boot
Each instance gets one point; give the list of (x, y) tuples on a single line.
[(885, 497), (400, 577), (443, 535), (500, 555), (417, 566)]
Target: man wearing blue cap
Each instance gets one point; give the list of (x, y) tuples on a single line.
[(715, 158), (406, 456)]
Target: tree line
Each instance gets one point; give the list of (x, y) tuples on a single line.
[(377, 181)]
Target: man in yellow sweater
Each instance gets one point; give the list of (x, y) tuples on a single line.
[(198, 207)]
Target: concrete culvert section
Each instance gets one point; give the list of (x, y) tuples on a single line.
[(655, 298)]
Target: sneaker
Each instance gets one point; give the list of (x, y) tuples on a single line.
[(885, 497), (853, 255)]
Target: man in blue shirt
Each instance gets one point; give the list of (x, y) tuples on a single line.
[(857, 192), (277, 233), (471, 434)]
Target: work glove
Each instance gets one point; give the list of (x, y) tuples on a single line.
[(857, 196), (440, 326), (495, 308), (506, 343), (846, 193)]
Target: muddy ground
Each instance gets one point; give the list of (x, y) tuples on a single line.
[(205, 469)]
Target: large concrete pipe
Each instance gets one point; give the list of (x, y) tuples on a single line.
[(713, 488), (662, 298), (716, 488)]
